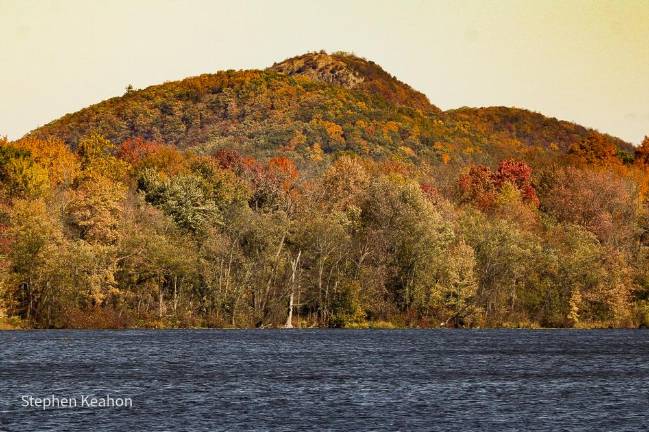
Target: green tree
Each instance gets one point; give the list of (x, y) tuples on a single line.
[(182, 197), (414, 238), (36, 242)]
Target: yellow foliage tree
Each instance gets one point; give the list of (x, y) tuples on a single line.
[(54, 155), (25, 178)]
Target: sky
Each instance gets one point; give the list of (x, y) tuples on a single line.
[(583, 61)]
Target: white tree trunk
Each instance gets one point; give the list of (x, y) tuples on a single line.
[(289, 319), (294, 265)]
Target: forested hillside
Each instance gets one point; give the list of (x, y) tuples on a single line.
[(321, 191)]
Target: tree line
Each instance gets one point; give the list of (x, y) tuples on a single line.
[(143, 234)]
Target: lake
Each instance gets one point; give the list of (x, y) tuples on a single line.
[(347, 380)]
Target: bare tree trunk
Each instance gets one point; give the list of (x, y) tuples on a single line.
[(49, 305), (299, 291), (175, 294), (320, 271), (289, 319), (160, 302), (30, 303), (264, 300), (233, 318), (361, 259), (294, 265)]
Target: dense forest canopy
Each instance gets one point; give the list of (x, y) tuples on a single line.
[(323, 189)]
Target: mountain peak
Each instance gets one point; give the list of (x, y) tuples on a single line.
[(320, 66), (353, 72)]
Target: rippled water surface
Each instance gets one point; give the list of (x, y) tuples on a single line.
[(329, 380)]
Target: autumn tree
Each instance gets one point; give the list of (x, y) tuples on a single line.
[(36, 244), (97, 156), (344, 182), (642, 152), (514, 270), (96, 208), (142, 154), (54, 156), (477, 186), (25, 178), (481, 186), (414, 238), (456, 289), (594, 148), (594, 278), (158, 265), (323, 242), (600, 201)]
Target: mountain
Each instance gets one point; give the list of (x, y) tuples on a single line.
[(335, 102), (321, 191)]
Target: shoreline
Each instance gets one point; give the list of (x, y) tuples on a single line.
[(18, 329)]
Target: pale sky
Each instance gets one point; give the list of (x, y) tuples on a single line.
[(584, 61)]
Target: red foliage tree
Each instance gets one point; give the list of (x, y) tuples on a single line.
[(133, 150), (141, 153), (480, 185), (519, 174), (228, 159), (430, 192), (283, 171), (477, 186)]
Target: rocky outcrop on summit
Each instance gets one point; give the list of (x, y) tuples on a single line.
[(353, 72)]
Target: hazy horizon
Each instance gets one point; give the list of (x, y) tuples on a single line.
[(581, 61)]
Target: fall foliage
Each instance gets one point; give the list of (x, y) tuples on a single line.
[(214, 200)]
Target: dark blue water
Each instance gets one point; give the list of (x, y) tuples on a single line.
[(329, 380)]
